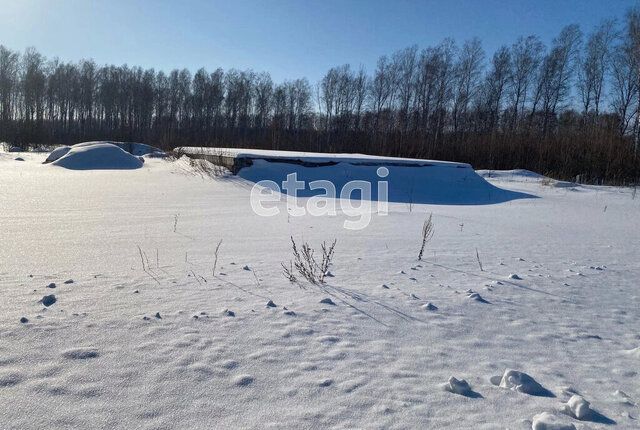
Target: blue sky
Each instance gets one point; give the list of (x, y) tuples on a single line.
[(287, 38)]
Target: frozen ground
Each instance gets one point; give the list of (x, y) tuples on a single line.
[(558, 300)]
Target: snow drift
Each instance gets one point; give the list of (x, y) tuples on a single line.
[(428, 183), (96, 156), (132, 148)]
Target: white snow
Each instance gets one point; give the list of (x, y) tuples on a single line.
[(458, 386), (57, 153), (100, 358), (522, 383), (132, 148), (547, 421), (316, 157), (96, 156), (578, 407)]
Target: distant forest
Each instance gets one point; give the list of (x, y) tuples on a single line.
[(568, 109)]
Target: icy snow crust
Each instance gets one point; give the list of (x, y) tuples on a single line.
[(124, 347)]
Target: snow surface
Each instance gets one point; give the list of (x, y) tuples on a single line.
[(124, 347)]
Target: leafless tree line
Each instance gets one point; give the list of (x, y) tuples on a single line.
[(567, 109)]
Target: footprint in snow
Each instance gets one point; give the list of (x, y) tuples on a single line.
[(327, 301), (81, 353), (229, 364), (624, 398), (429, 307), (329, 339), (325, 382), (243, 380)]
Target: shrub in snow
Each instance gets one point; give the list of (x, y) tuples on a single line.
[(546, 421), (306, 264), (427, 234)]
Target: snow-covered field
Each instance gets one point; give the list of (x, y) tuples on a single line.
[(174, 346)]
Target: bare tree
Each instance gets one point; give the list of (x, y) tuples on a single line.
[(468, 71), (633, 28), (526, 55), (624, 84), (497, 81), (593, 67)]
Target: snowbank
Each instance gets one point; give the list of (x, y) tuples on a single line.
[(130, 147), (97, 156), (440, 183)]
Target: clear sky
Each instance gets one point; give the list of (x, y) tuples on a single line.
[(288, 38)]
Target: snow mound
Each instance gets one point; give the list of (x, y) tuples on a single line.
[(547, 421), (459, 386), (98, 156), (521, 382), (431, 182), (578, 408), (138, 149), (57, 153)]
